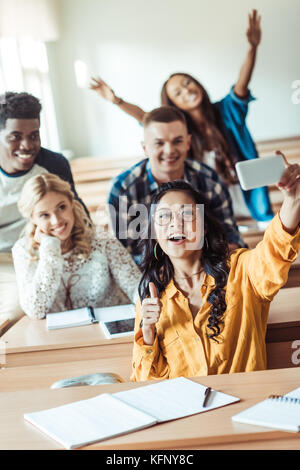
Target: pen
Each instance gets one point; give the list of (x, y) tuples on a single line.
[(92, 314), (206, 396)]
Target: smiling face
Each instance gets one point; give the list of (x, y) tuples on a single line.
[(178, 225), (166, 145), (19, 144), (184, 92), (54, 215)]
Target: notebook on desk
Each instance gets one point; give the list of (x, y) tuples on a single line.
[(109, 415), (70, 318), (89, 315), (278, 412)]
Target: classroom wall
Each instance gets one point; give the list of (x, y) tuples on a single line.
[(135, 44)]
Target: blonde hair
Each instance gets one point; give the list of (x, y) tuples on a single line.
[(33, 191)]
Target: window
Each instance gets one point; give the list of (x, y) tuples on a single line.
[(24, 67)]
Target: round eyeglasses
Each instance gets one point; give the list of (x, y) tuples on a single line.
[(165, 216)]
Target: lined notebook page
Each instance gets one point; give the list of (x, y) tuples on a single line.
[(173, 399), (273, 413), (87, 421)]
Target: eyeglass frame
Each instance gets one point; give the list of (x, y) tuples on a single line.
[(171, 215)]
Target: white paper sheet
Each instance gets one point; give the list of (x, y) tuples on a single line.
[(174, 398), (87, 421)]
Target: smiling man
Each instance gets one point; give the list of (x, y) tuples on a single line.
[(166, 145), (21, 157)]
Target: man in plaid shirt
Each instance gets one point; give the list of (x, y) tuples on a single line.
[(166, 144)]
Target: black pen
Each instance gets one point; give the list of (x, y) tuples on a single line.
[(206, 396), (92, 315)]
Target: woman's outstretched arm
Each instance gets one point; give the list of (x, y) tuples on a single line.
[(290, 186), (268, 264), (254, 37), (108, 94)]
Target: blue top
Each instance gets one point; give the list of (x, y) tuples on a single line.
[(234, 111)]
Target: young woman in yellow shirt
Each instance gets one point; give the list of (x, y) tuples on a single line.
[(203, 310)]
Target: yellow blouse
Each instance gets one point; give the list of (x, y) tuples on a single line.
[(181, 346)]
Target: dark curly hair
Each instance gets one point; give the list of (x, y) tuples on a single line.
[(214, 258), (18, 106)]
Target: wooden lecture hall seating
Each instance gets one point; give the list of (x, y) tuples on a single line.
[(92, 177), (32, 358)]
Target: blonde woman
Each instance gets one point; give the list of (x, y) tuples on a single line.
[(61, 262)]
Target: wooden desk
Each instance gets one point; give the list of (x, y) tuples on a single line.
[(13, 379), (211, 430), (28, 342)]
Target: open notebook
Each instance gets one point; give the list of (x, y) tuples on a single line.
[(108, 415), (88, 315), (278, 412)]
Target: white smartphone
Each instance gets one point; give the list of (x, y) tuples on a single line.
[(262, 171), (118, 328)]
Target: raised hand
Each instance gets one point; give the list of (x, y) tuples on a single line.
[(150, 313), (289, 184), (103, 89), (254, 31)]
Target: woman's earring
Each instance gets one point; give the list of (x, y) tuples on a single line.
[(155, 254)]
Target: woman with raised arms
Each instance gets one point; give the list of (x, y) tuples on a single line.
[(220, 137)]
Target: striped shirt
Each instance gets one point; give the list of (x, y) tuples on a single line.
[(131, 193)]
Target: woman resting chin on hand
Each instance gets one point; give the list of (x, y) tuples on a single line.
[(202, 309), (61, 262)]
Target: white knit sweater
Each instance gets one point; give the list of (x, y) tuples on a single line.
[(107, 277)]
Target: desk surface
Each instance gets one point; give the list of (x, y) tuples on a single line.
[(32, 335), (211, 430), (29, 343)]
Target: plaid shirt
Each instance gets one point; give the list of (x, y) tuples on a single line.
[(136, 186)]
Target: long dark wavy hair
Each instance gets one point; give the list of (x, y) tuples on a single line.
[(214, 257), (211, 137)]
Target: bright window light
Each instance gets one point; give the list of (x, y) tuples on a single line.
[(81, 73)]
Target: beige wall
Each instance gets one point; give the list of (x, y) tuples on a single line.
[(135, 44)]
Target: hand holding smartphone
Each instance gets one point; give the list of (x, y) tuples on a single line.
[(263, 171)]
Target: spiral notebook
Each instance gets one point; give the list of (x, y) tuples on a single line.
[(278, 412)]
